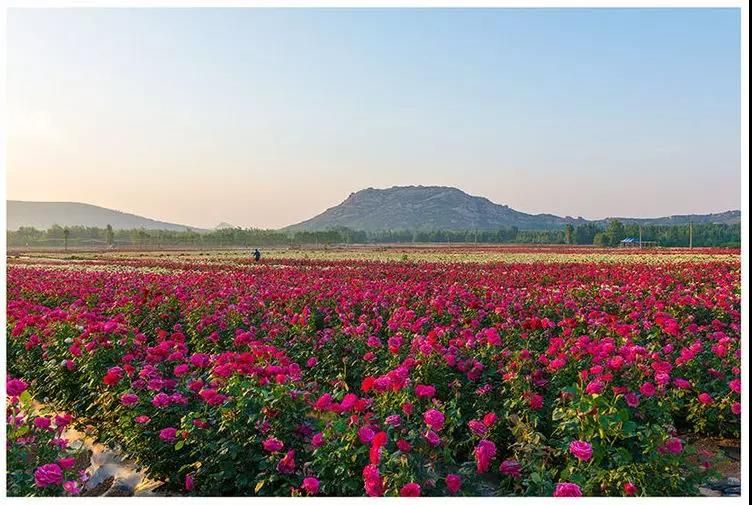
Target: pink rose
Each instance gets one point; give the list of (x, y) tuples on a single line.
[(374, 454), (647, 389), (168, 434), (113, 376), (287, 464), (632, 399), (581, 450), (477, 427), (535, 401), (128, 399), (735, 386), (511, 468), (393, 420), (380, 439), (484, 452), (567, 489), (682, 383), (66, 463), (212, 397), (410, 489), (705, 399), (453, 483), (311, 485), (272, 444), (161, 400), (199, 360), (672, 446), (15, 387), (317, 440), (71, 487), (348, 402), (366, 434), (324, 402), (423, 391), (43, 423), (403, 445), (630, 489), (594, 387), (433, 438), (372, 481), (48, 475), (181, 370), (434, 419), (63, 420)]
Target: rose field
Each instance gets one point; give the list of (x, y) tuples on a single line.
[(409, 372)]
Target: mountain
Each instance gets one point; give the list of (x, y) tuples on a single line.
[(225, 226), (396, 208), (728, 217), (446, 208), (43, 215)]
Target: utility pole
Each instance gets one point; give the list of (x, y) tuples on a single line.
[(690, 234), (640, 236)]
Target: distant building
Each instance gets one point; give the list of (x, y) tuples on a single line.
[(636, 242)]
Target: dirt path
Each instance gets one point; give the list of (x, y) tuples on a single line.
[(729, 466), (110, 474)]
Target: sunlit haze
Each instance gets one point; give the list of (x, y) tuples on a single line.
[(267, 117)]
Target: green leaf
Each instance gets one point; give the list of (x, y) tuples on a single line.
[(25, 398), (630, 428), (624, 454), (624, 415), (558, 414), (179, 445)]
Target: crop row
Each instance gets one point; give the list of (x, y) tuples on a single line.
[(357, 377)]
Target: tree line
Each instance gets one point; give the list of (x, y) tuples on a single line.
[(703, 235)]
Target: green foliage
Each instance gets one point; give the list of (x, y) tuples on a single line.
[(703, 235), (30, 446), (625, 449)]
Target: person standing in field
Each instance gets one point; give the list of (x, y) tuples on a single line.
[(256, 255)]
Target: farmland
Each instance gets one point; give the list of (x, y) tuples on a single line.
[(379, 371)]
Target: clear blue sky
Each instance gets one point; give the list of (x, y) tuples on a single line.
[(266, 117)]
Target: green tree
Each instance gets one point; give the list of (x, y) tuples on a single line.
[(568, 233), (601, 239), (110, 235), (614, 232)]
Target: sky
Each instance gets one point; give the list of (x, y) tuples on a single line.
[(266, 117)]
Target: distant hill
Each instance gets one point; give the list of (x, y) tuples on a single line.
[(43, 215), (225, 226), (397, 208), (728, 217), (446, 208)]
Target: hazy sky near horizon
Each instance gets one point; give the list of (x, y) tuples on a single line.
[(266, 117)]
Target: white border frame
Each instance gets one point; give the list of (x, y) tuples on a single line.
[(742, 4)]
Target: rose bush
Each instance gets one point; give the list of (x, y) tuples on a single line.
[(39, 460), (353, 377)]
